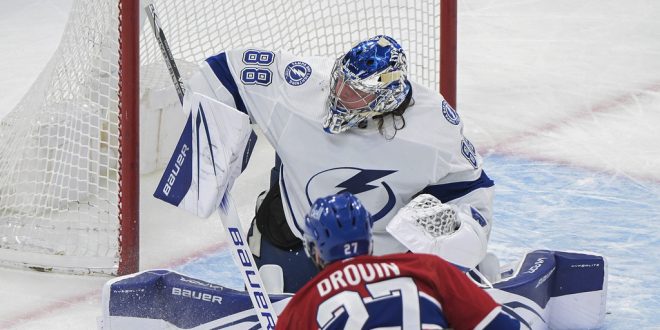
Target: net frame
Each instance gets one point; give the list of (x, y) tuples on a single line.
[(129, 131), (69, 161)]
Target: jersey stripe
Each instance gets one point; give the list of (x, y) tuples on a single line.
[(218, 64), (285, 195), (450, 191)]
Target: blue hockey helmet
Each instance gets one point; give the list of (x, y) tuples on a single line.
[(338, 227), (369, 80)]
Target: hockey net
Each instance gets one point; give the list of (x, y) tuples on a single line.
[(67, 173)]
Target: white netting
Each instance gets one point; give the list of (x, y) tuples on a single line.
[(58, 153), (59, 182), (305, 27)]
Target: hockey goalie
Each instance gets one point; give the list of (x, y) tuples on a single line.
[(331, 123)]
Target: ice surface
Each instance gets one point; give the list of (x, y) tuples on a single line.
[(561, 97)]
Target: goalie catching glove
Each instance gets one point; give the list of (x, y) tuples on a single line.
[(458, 234)]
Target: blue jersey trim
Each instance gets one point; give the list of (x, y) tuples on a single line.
[(288, 202), (450, 191), (247, 153), (218, 64)]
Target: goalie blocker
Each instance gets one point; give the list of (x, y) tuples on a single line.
[(214, 148)]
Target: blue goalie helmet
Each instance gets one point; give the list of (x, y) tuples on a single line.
[(337, 227), (369, 80)]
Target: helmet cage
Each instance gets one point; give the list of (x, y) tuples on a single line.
[(387, 86)]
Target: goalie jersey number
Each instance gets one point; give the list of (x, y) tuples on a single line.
[(254, 73)]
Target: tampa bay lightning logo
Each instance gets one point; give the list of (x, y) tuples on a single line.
[(468, 151), (450, 114), (297, 73), (478, 217), (367, 185)]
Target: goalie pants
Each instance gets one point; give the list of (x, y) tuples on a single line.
[(297, 268), (272, 242)]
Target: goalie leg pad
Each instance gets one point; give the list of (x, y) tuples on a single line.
[(163, 299), (556, 290), (579, 291)]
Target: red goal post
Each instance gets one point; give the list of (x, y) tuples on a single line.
[(69, 168)]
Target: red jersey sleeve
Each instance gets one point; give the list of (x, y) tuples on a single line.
[(463, 302)]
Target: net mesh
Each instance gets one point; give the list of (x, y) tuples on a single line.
[(58, 153), (59, 182), (304, 27)]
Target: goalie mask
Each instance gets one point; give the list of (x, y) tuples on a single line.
[(337, 227), (369, 80)]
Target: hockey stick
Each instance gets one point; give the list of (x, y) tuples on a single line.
[(228, 214), (165, 50)]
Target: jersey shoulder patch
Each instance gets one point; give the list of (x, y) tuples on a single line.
[(296, 73), (450, 114)]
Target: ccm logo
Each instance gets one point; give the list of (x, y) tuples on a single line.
[(175, 170), (537, 264)]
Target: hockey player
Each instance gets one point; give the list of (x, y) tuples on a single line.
[(355, 290), (358, 125)]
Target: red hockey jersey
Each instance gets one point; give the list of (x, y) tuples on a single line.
[(412, 291)]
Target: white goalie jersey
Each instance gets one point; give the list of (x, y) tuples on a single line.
[(286, 97)]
